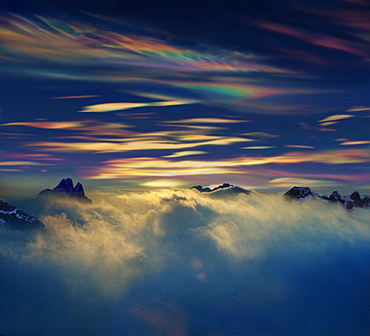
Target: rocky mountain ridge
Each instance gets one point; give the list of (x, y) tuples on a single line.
[(351, 201), (14, 218), (208, 189)]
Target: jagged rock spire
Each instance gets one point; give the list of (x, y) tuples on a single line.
[(66, 188)]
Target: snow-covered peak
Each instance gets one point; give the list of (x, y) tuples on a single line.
[(349, 201), (14, 218), (301, 193)]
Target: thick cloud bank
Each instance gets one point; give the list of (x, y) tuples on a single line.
[(184, 263)]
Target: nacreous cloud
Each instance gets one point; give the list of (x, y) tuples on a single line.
[(150, 166), (116, 146), (108, 107)]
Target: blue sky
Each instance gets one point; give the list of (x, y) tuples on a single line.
[(265, 96)]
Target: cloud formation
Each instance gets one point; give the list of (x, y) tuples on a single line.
[(181, 262), (109, 107), (151, 166)]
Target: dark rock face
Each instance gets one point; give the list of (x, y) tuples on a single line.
[(300, 193), (207, 189), (222, 191), (66, 188), (349, 202), (352, 201), (334, 197), (201, 189), (13, 218)]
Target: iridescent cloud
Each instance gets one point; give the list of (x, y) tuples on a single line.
[(47, 124), (230, 91), (43, 39), (329, 123), (305, 126), (92, 127), (184, 153), (258, 147), (75, 97), (356, 17), (207, 121), (150, 166), (353, 143), (318, 39), (91, 53), (260, 135), (352, 178), (287, 182), (135, 144), (108, 107), (197, 127), (336, 117), (299, 146), (24, 163), (358, 109)]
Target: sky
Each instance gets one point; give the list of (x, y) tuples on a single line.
[(145, 94)]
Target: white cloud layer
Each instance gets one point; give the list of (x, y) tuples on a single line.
[(185, 263)]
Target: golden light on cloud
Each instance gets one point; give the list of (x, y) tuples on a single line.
[(116, 146), (329, 123), (163, 183), (359, 108), (200, 137), (336, 117), (109, 107), (354, 143), (153, 167), (47, 124), (197, 127), (24, 163), (184, 153), (291, 181)]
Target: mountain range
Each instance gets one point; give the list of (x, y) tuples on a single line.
[(14, 218), (351, 201)]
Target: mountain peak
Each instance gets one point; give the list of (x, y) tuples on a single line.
[(65, 188), (300, 193), (13, 218), (223, 190), (208, 189)]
